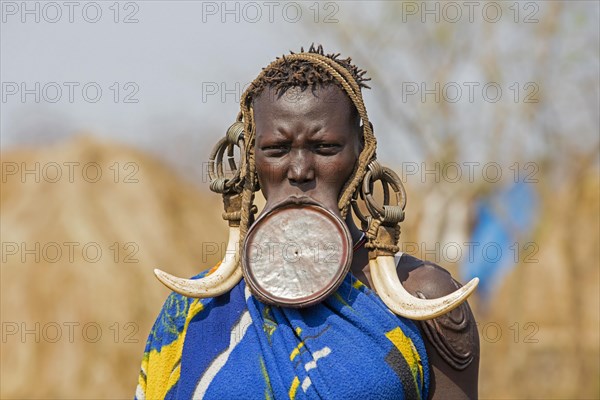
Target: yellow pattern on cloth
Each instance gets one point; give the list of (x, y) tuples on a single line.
[(164, 364), (301, 354), (408, 351)]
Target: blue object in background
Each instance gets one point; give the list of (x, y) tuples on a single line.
[(503, 220)]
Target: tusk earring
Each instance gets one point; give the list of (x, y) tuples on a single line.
[(396, 297), (227, 275), (229, 271), (383, 232)]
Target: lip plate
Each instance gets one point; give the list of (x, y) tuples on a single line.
[(296, 255)]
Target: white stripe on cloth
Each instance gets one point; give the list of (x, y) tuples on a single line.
[(221, 359), (324, 352), (139, 393)]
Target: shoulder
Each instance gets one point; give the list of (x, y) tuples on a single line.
[(164, 346), (451, 340), (424, 277), (171, 320)]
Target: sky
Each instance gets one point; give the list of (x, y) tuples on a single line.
[(167, 76)]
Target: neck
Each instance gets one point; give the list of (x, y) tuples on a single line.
[(360, 259), (354, 231)]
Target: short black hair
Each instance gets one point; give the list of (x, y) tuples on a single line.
[(304, 74)]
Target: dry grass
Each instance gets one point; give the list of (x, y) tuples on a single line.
[(539, 334), (171, 222), (165, 218)]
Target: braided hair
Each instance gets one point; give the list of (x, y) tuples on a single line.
[(304, 74)]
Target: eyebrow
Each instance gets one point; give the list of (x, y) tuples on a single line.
[(276, 136), (280, 133)]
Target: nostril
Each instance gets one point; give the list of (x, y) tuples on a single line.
[(299, 173)]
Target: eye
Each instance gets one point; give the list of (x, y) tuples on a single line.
[(275, 150), (327, 148)]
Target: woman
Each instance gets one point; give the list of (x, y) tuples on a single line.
[(301, 136)]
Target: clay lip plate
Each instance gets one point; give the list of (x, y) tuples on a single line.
[(296, 255)]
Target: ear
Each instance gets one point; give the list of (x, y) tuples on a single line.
[(361, 137), (361, 143)]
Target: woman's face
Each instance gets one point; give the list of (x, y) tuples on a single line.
[(306, 144)]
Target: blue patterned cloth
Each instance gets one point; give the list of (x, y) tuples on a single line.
[(350, 346)]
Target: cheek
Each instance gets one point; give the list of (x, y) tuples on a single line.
[(263, 178), (347, 171), (269, 174), (336, 172)]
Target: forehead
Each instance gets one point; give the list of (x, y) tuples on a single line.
[(297, 103)]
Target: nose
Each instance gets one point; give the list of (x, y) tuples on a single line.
[(301, 168)]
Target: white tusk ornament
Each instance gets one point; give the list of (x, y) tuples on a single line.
[(402, 303), (227, 275)]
